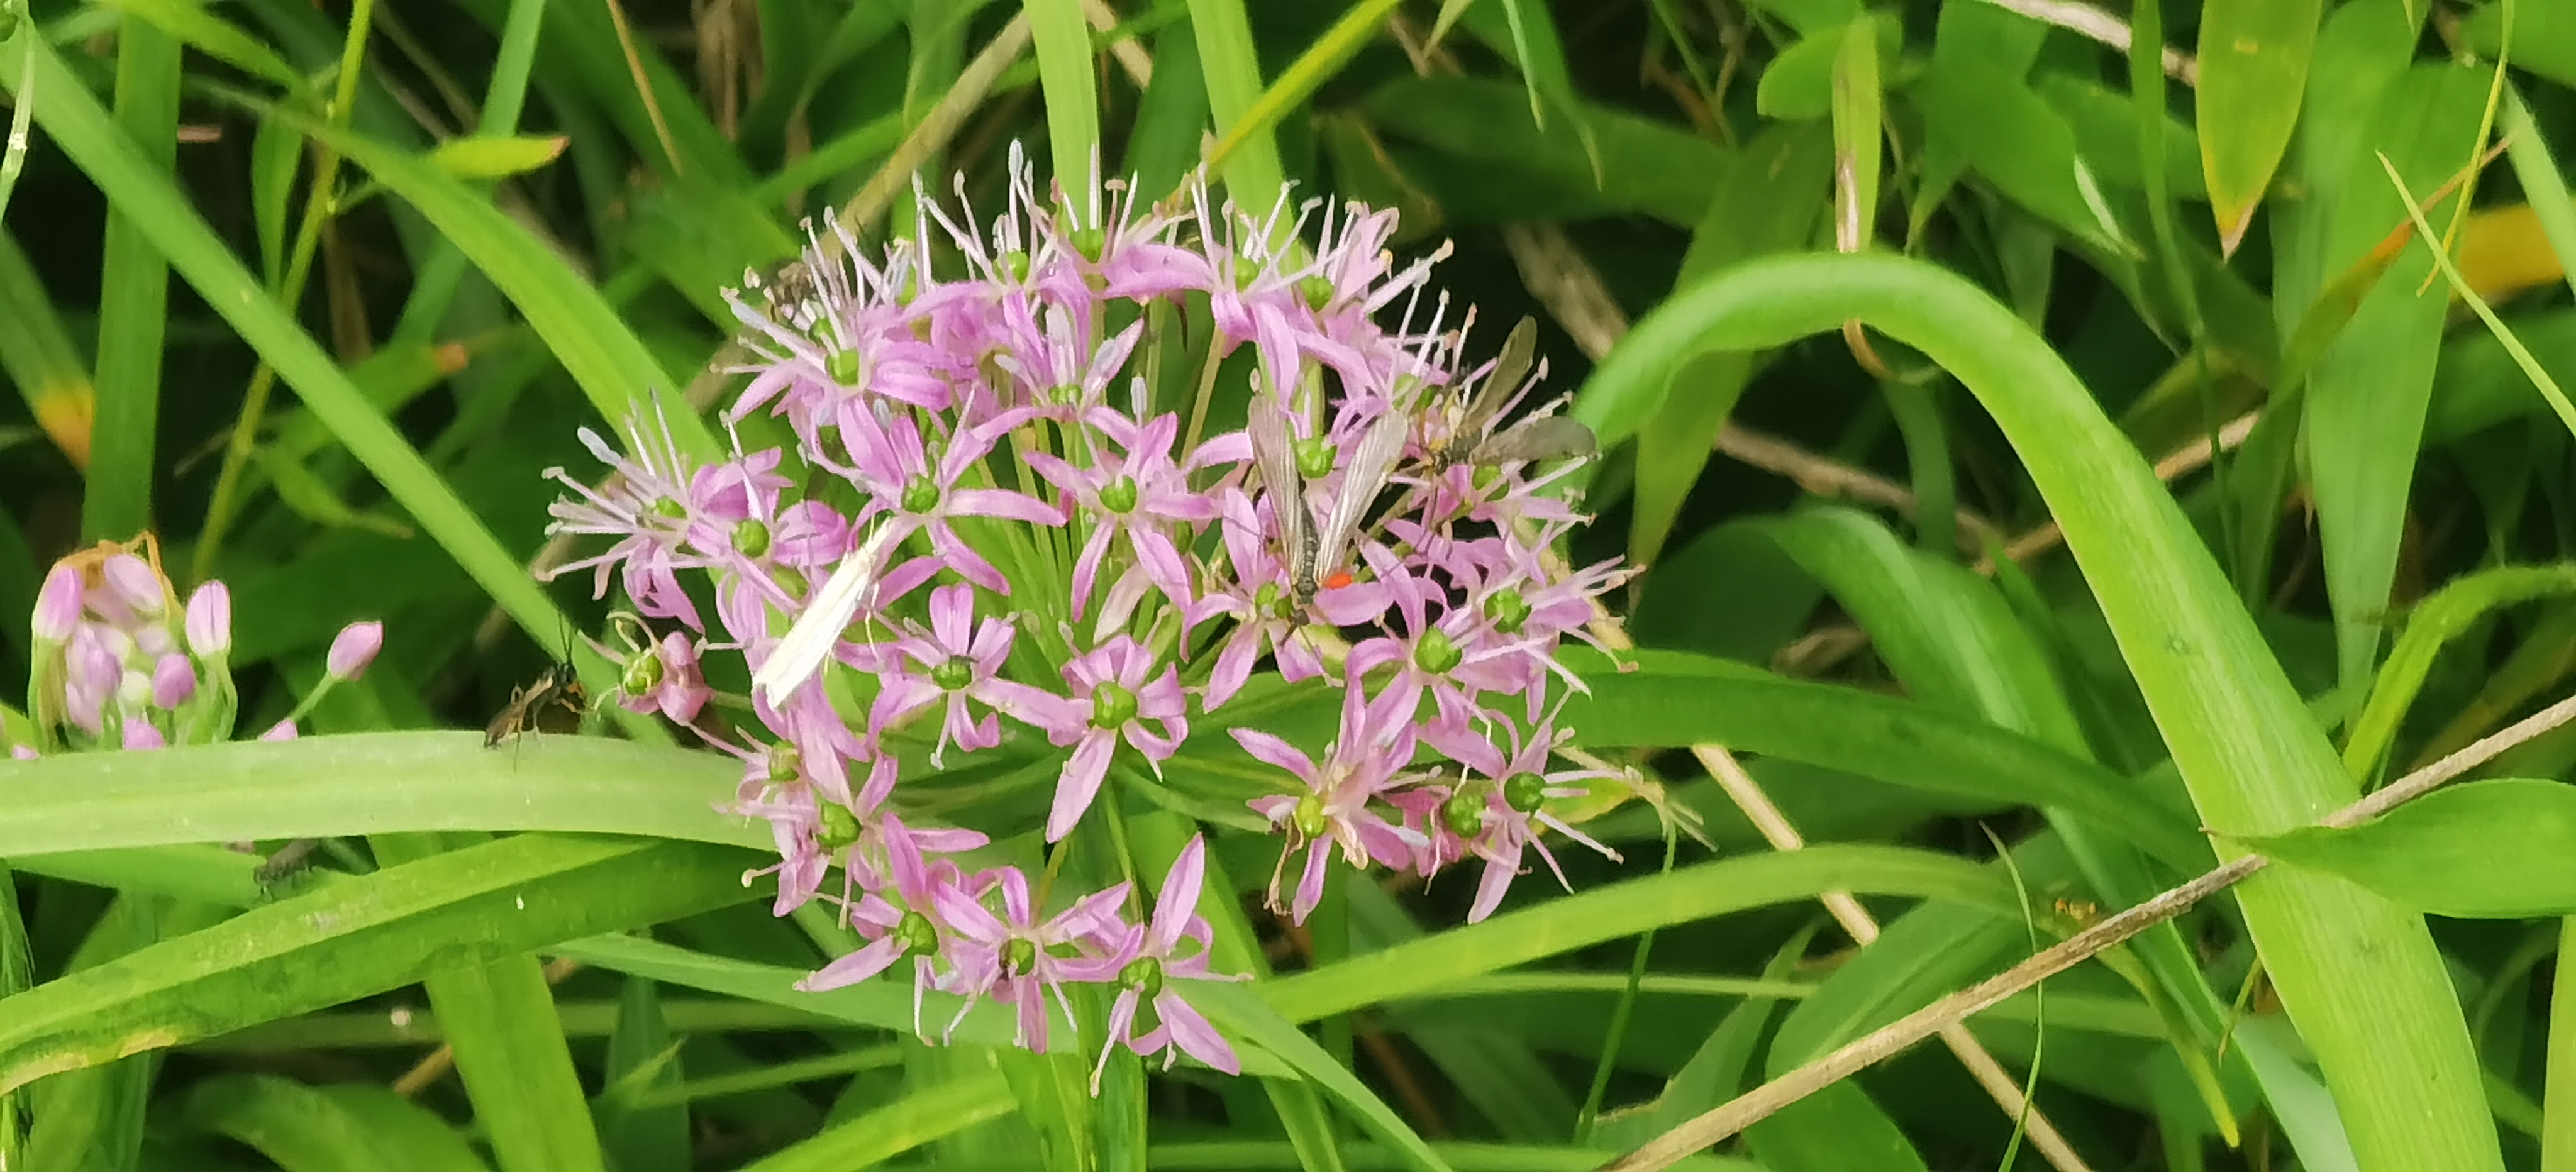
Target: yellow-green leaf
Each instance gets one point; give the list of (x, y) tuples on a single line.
[(496, 157), (2253, 71)]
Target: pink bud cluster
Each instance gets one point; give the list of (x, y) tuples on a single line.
[(985, 527), (119, 664)]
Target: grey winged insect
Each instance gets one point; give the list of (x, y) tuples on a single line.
[(1472, 438), (1314, 549)]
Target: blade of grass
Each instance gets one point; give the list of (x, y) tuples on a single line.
[(1330, 52), (2504, 335), (133, 302), (38, 354), (13, 153), (2389, 1036), (917, 1119), (435, 288), (94, 144), (1065, 77), (1231, 68), (320, 204), (499, 1018), (2542, 184)]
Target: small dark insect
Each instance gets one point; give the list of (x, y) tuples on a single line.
[(555, 703), (287, 861), (1472, 438)]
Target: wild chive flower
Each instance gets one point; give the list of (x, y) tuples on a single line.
[(120, 664), (1014, 542)]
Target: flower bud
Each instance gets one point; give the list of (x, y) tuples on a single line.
[(58, 605), (173, 681), (139, 734), (355, 648), (283, 730), (210, 621), (135, 583), (91, 674)]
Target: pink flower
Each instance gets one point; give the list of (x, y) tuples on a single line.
[(1148, 960), (173, 681), (1018, 958), (1141, 495), (917, 485), (1500, 807), (647, 510), (1119, 698), (664, 678), (1337, 807), (957, 660)]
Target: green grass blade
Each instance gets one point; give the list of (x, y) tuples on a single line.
[(349, 1126), (2391, 1039), (359, 937), (37, 353), (499, 1018), (416, 781), (2504, 335), (75, 119), (586, 335), (1297, 84), (908, 1123), (1231, 68), (1066, 77), (1612, 912), (134, 286)]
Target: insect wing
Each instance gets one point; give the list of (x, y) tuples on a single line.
[(1362, 477), (1542, 437), (1277, 466), (1510, 369)]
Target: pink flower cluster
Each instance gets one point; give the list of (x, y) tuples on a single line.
[(119, 664), (987, 524)]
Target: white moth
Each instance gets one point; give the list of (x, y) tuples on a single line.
[(798, 656)]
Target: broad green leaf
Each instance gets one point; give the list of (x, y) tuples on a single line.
[(326, 1128), (250, 790), (1230, 70), (1837, 1129), (1698, 892), (357, 937), (1062, 41), (1766, 202), (1646, 165), (496, 157), (192, 24), (1671, 699), (2366, 396), (2432, 625), (499, 1019), (2253, 70), (2544, 36), (2239, 734), (134, 308), (1798, 83), (2364, 47), (1297, 84), (919, 1118), (2489, 850)]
